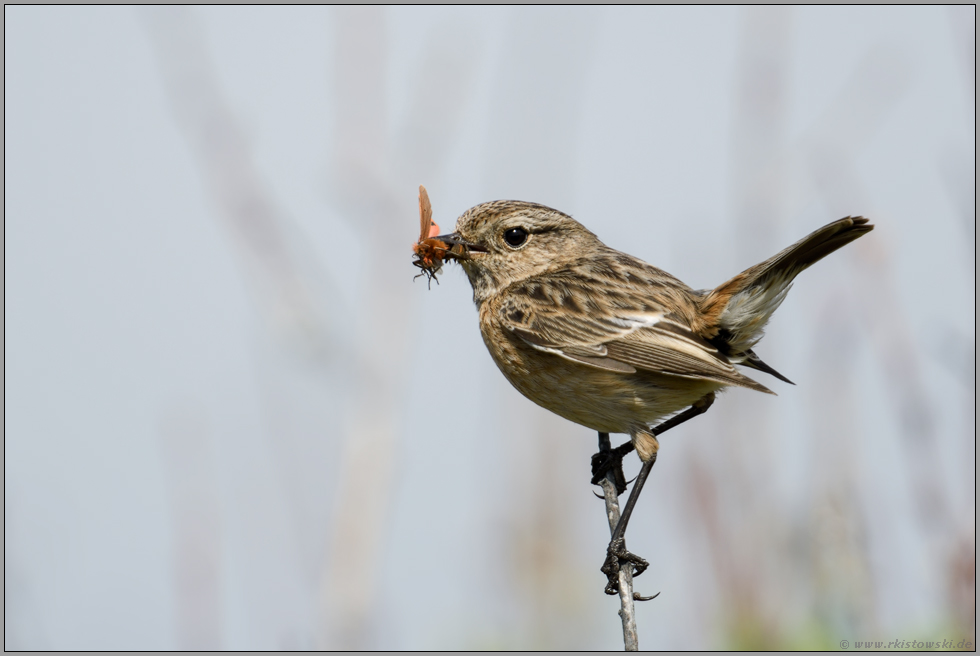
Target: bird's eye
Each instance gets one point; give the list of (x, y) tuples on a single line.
[(515, 236)]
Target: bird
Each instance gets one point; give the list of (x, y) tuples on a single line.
[(610, 342)]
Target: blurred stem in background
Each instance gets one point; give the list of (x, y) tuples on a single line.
[(290, 292)]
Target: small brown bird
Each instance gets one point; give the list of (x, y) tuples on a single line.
[(610, 342)]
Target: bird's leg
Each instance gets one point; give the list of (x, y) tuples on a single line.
[(616, 552), (610, 460)]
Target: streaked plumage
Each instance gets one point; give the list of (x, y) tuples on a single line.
[(607, 340)]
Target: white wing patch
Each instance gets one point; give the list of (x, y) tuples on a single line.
[(636, 320)]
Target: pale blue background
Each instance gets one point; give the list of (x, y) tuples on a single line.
[(210, 320)]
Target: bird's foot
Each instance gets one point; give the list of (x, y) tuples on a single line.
[(616, 555), (612, 460)]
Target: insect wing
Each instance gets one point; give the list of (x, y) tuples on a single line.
[(425, 214)]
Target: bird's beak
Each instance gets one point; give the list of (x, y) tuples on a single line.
[(461, 248)]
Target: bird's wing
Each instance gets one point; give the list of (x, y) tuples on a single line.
[(615, 325)]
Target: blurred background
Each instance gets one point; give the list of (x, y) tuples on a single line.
[(232, 420)]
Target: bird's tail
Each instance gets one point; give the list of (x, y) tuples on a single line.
[(739, 309)]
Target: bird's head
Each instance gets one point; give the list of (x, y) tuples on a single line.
[(506, 241)]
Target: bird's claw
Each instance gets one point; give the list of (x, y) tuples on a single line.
[(606, 461), (616, 553)]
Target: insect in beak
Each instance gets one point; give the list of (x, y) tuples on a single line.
[(431, 250)]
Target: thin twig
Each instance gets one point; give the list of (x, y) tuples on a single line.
[(627, 612)]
